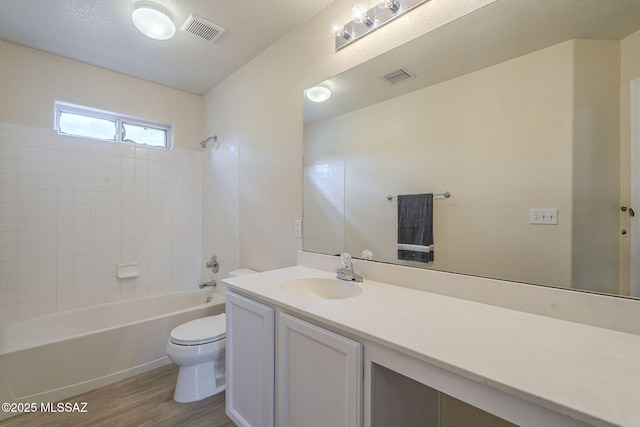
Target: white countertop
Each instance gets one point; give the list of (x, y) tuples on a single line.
[(589, 373)]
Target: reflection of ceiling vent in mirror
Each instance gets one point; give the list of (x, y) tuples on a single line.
[(398, 76), (202, 28)]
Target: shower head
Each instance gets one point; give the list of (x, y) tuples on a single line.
[(204, 143)]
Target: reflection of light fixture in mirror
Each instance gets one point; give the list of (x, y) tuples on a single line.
[(318, 93), (359, 15), (153, 20), (365, 21)]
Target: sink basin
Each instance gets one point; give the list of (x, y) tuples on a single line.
[(322, 288)]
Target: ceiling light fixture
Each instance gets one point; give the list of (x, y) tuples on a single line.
[(365, 21), (318, 93), (153, 20)]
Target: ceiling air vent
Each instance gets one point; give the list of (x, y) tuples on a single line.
[(398, 76), (202, 28)]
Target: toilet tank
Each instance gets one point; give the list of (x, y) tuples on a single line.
[(241, 272)]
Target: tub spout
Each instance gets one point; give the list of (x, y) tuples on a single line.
[(205, 284)]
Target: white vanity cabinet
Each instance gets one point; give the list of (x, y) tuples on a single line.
[(319, 376), (250, 362), (319, 373), (421, 358)]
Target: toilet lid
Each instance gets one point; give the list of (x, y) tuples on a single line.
[(200, 331)]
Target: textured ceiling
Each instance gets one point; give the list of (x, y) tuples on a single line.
[(100, 32)]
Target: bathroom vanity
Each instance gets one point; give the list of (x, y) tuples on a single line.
[(305, 354), (312, 349)]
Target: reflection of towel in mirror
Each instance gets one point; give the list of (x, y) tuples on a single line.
[(415, 227)]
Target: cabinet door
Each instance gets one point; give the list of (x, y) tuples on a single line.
[(319, 376), (250, 362)]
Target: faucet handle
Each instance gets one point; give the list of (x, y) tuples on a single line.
[(213, 264), (346, 259)]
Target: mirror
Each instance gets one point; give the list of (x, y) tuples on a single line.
[(515, 107)]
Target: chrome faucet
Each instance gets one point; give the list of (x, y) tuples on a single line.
[(214, 265), (346, 271), (205, 284)]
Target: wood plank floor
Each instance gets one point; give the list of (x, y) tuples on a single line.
[(142, 400)]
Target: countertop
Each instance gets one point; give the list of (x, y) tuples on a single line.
[(589, 373)]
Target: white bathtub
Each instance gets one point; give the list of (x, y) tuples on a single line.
[(59, 355)]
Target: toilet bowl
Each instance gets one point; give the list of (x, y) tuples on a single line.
[(198, 348)]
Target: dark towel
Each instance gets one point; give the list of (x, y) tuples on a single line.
[(415, 227)]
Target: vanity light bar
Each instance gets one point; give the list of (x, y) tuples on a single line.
[(369, 20)]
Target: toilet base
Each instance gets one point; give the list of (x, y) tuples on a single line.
[(197, 382)]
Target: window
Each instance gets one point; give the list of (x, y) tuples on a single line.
[(88, 122)]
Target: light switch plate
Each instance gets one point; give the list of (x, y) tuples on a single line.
[(543, 216), (297, 229)]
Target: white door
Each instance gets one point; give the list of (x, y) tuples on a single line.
[(250, 362), (319, 376)]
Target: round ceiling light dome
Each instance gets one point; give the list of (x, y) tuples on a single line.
[(318, 93), (153, 20)]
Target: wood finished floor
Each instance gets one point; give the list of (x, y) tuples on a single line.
[(142, 400)]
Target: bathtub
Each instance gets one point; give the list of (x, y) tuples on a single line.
[(59, 355)]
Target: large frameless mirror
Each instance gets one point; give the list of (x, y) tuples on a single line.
[(517, 107)]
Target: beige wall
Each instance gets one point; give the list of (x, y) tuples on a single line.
[(630, 70), (499, 139), (32, 80), (2, 61), (260, 106), (596, 165)]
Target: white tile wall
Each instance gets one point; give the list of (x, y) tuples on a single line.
[(220, 206), (72, 209), (323, 200)]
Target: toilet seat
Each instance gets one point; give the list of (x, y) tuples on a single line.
[(200, 331)]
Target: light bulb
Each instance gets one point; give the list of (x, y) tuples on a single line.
[(392, 5), (359, 15), (340, 31)]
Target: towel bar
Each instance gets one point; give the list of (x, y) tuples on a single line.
[(446, 195)]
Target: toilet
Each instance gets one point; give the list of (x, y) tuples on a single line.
[(198, 348)]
